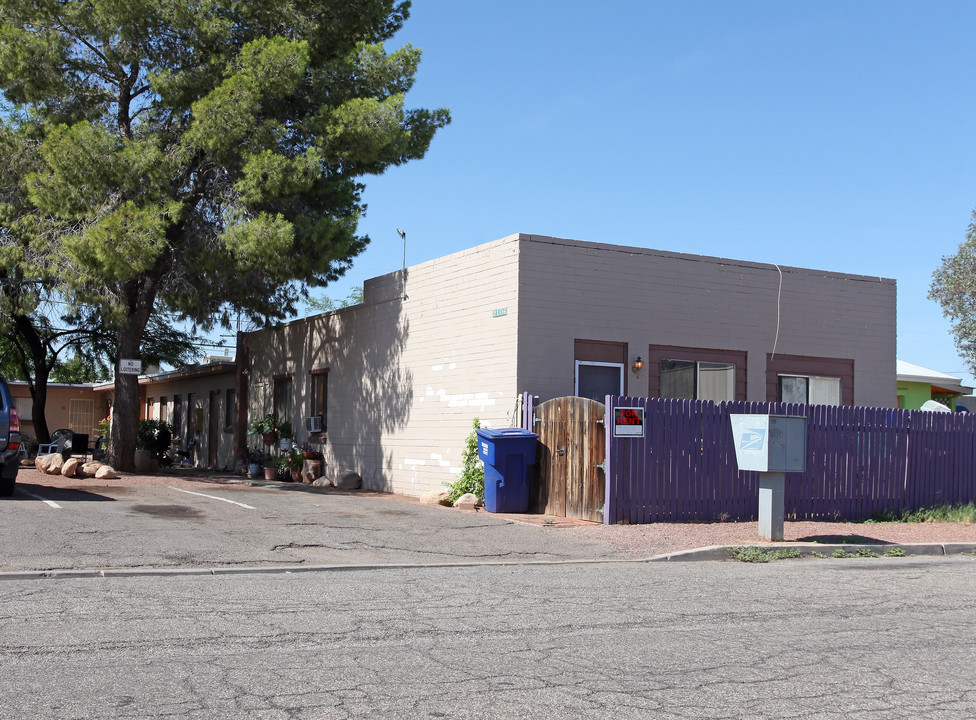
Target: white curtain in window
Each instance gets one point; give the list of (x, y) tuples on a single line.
[(716, 382), (824, 391)]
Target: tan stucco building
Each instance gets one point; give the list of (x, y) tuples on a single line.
[(398, 379)]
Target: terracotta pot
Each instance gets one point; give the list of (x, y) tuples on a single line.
[(296, 474), (269, 438), (270, 473)]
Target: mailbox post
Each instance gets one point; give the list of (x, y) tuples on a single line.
[(773, 445)]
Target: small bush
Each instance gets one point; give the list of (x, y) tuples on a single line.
[(472, 477)]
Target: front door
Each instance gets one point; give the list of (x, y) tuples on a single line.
[(569, 469)]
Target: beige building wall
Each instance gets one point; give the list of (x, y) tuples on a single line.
[(571, 289), (406, 376), (65, 403)]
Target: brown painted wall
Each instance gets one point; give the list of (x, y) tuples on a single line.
[(645, 298)]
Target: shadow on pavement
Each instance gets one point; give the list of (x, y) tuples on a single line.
[(24, 491)]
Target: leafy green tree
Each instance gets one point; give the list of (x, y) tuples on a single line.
[(327, 304), (206, 155), (954, 288), (80, 349)]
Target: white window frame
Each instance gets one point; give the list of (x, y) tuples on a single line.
[(592, 363)]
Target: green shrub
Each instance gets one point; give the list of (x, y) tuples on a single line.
[(472, 477)]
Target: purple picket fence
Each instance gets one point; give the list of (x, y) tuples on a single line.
[(859, 461)]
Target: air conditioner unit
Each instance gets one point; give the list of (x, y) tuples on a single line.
[(313, 424)]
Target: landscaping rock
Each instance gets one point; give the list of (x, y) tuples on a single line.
[(349, 481), (89, 469), (435, 497), (468, 501), (49, 464), (322, 482), (106, 471), (70, 467)]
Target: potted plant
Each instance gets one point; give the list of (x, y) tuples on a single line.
[(310, 452), (270, 467), (147, 444), (294, 462), (266, 427), (254, 460)]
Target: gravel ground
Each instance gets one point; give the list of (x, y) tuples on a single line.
[(625, 540)]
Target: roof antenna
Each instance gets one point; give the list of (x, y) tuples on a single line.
[(403, 276)]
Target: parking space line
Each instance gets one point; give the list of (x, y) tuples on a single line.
[(38, 497), (214, 497)]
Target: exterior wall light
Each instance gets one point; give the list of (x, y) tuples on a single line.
[(637, 366)]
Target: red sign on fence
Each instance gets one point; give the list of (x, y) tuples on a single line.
[(628, 422)]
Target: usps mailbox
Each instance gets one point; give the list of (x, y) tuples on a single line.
[(772, 445)]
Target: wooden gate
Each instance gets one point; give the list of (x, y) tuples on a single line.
[(569, 470)]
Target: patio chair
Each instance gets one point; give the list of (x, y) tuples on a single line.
[(59, 439)]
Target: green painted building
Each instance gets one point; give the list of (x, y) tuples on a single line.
[(918, 385)]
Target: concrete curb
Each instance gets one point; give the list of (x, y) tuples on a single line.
[(713, 553), (723, 552)]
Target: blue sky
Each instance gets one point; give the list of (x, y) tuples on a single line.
[(831, 135)]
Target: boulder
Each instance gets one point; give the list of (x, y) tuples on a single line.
[(49, 464), (468, 501), (89, 469), (435, 497), (322, 482), (105, 471), (70, 467), (349, 481)]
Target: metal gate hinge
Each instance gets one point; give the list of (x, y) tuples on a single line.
[(602, 466)]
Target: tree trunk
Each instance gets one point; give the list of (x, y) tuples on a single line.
[(41, 366), (141, 296), (38, 392)]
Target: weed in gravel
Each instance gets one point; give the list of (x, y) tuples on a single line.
[(965, 514), (841, 553), (753, 554), (894, 552), (817, 554), (866, 552)]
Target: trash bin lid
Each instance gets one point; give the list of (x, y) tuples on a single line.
[(502, 433)]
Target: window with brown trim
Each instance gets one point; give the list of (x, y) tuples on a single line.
[(284, 399), (696, 373), (320, 396), (600, 368), (821, 381)]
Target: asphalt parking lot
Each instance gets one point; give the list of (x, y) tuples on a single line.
[(188, 521), (52, 525)]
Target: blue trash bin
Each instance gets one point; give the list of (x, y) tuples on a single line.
[(507, 454)]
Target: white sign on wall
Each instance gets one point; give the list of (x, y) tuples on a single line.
[(130, 367)]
